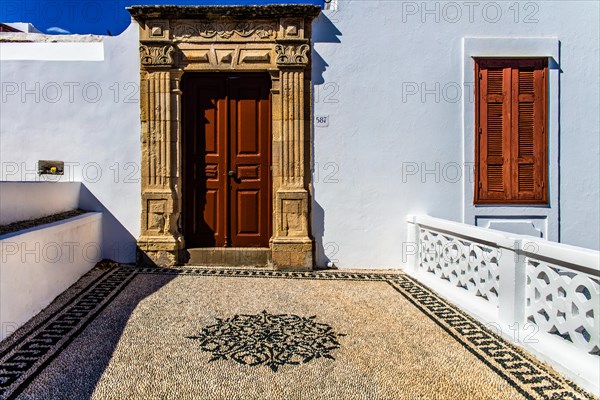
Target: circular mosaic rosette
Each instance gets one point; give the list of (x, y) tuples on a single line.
[(268, 339)]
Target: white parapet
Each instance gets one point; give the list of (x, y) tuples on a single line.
[(543, 296), (23, 201), (40, 47), (38, 264)]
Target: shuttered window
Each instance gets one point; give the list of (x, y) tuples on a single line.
[(511, 142)]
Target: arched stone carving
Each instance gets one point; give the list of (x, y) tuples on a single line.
[(178, 39)]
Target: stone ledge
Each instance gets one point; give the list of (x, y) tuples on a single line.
[(223, 12), (230, 256)]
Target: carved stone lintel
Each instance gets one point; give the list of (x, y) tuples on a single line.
[(225, 30), (157, 56), (292, 54)]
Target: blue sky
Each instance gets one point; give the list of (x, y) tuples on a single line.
[(96, 16)]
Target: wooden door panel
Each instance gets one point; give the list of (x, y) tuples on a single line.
[(211, 119), (250, 120), (246, 173), (211, 212), (204, 125), (248, 140), (248, 213), (226, 127)]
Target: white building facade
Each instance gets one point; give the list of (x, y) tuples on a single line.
[(394, 129)]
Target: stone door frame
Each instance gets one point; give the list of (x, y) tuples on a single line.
[(179, 39)]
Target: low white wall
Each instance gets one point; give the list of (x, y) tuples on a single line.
[(542, 295), (80, 107), (38, 264), (20, 201), (53, 52)]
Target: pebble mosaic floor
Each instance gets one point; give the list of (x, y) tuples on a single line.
[(193, 333)]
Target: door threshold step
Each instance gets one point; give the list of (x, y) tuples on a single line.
[(229, 257)]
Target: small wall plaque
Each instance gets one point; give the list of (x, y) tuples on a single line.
[(322, 120), (46, 167)]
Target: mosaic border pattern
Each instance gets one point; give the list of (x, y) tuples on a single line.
[(23, 360), (26, 358)]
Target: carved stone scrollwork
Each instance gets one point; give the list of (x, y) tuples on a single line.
[(224, 30), (157, 56), (292, 54)]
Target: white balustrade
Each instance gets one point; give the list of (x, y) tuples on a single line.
[(520, 279), (564, 302)]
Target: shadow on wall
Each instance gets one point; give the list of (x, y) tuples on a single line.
[(325, 253), (118, 243), (324, 31), (555, 64)]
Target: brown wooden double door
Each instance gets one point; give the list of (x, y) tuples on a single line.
[(227, 157)]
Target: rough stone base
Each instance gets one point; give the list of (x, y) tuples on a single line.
[(292, 256), (287, 254), (157, 258), (159, 252)]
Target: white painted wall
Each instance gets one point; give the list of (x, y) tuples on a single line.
[(23, 26), (20, 201), (40, 263), (387, 153), (78, 103), (55, 52)]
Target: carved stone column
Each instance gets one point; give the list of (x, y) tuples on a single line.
[(161, 241), (291, 244)]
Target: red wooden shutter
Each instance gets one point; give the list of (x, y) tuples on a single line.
[(529, 144), (511, 143), (494, 122)]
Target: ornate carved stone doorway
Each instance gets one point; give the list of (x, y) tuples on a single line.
[(179, 39)]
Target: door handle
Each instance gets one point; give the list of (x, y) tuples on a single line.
[(231, 174)]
